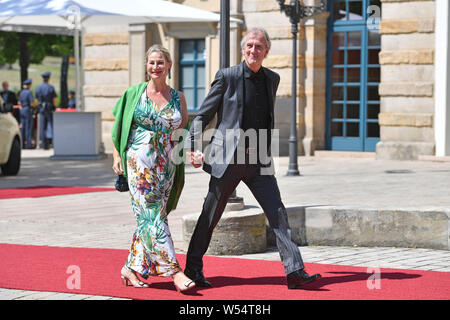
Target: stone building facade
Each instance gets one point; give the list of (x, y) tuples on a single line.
[(369, 75), (414, 117)]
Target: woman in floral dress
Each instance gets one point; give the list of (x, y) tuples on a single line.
[(150, 172)]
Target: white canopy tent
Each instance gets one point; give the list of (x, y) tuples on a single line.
[(55, 16), (71, 17)]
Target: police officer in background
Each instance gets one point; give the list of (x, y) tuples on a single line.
[(46, 96), (26, 115), (72, 101)]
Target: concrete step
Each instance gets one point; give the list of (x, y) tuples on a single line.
[(348, 226)]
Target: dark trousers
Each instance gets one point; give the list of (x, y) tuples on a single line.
[(26, 122), (265, 190), (46, 127)]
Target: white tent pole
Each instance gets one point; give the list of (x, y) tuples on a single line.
[(77, 68)]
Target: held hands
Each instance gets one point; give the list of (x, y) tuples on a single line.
[(196, 158)]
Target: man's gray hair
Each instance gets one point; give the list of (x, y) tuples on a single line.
[(254, 31)]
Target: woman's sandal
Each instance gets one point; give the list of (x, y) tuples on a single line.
[(186, 286), (128, 282)]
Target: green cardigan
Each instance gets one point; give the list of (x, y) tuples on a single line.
[(123, 114)]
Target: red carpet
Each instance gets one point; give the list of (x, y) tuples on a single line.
[(46, 191), (46, 269)]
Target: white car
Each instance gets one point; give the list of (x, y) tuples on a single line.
[(10, 142)]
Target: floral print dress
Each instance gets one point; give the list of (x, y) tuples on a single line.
[(150, 176)]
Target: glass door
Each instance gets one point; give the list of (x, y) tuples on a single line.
[(353, 77)]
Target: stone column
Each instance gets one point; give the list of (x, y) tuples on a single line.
[(173, 49), (105, 66), (315, 83), (407, 80), (140, 40), (442, 80), (235, 32)]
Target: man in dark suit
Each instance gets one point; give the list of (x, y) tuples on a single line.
[(8, 96), (243, 99), (9, 100)]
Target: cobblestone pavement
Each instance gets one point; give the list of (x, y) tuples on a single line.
[(104, 219)]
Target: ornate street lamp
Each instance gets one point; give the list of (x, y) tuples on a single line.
[(234, 202), (296, 11), (224, 33)]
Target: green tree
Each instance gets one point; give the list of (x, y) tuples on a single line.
[(33, 48), (16, 46), (8, 47), (24, 55), (38, 45), (63, 46)]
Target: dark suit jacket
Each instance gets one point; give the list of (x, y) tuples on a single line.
[(9, 97), (226, 99)]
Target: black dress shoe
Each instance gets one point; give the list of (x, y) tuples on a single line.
[(299, 278), (198, 277)]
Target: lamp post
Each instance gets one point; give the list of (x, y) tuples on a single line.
[(296, 11), (234, 202), (224, 33)]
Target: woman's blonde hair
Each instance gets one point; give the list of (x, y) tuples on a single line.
[(158, 48)]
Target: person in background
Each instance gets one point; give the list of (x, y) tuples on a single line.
[(26, 115), (9, 97), (46, 95), (9, 100), (72, 101)]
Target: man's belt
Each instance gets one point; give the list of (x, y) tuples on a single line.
[(46, 106)]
